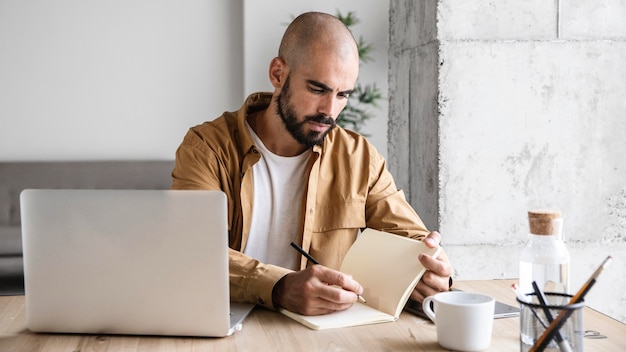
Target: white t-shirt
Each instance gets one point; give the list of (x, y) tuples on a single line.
[(279, 184)]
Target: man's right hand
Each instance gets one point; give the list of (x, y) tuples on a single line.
[(316, 290)]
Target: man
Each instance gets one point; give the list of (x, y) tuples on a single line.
[(292, 176)]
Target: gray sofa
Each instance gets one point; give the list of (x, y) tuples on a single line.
[(17, 176)]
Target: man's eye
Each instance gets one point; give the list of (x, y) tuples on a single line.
[(344, 95), (316, 90)]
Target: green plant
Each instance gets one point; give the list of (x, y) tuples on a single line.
[(365, 96)]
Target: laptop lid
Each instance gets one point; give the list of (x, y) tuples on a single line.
[(127, 262)]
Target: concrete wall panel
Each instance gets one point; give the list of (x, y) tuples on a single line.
[(497, 19), (398, 128), (417, 17), (593, 19), (424, 134), (528, 125)]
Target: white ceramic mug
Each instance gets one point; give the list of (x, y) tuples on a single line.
[(464, 320)]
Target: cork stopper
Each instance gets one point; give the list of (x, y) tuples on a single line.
[(545, 222)]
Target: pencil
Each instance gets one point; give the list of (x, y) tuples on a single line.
[(314, 261), (563, 345), (557, 323)]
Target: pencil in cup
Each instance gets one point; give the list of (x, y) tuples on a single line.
[(557, 323), (563, 344), (570, 327)]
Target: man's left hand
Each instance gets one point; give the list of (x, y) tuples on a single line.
[(438, 271)]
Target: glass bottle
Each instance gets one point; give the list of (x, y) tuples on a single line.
[(545, 258)]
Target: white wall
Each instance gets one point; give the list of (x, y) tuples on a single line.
[(118, 79), (125, 79)]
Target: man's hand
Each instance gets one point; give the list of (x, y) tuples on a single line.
[(438, 271), (316, 290)]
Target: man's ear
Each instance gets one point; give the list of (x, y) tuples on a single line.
[(278, 72)]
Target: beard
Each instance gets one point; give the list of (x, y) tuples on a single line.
[(297, 129)]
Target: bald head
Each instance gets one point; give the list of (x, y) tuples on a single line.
[(314, 31)]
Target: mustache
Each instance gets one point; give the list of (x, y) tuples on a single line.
[(320, 118)]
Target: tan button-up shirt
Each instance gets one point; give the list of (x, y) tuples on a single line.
[(348, 188)]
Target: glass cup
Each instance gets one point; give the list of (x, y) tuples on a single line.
[(534, 322)]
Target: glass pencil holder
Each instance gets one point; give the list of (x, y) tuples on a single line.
[(534, 321)]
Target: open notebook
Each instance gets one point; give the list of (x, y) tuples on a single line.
[(387, 267), (128, 262)]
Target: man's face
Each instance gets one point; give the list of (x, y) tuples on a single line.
[(298, 127), (312, 85)]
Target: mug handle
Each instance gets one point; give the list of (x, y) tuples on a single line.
[(426, 307)]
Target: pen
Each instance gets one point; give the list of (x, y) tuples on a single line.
[(557, 323), (563, 345), (304, 253), (314, 261)]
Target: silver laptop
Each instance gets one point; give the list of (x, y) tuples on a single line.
[(128, 262)]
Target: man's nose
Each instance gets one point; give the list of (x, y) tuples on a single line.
[(327, 106)]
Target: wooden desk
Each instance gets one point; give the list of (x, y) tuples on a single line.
[(266, 330)]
